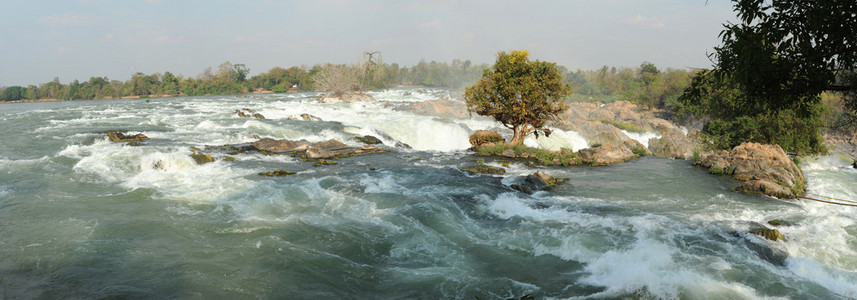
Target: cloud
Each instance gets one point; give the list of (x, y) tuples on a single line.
[(152, 1), (63, 50), (433, 24), (109, 36), (648, 22), (467, 37), (67, 20), (244, 39)]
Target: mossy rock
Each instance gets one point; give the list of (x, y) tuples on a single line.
[(228, 158), (135, 143), (484, 169), (116, 136), (202, 158), (770, 234), (368, 140), (277, 173), (324, 162)]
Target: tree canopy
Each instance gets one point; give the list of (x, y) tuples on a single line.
[(521, 94), (770, 71)]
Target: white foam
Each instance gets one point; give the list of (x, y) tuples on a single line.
[(642, 137), (558, 140)]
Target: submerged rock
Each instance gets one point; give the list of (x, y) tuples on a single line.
[(277, 173), (483, 137), (482, 168), (766, 169), (309, 117), (536, 182), (202, 158), (770, 234)]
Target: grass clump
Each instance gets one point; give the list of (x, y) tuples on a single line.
[(639, 151), (564, 157), (621, 125)]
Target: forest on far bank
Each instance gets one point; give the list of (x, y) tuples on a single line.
[(645, 84)]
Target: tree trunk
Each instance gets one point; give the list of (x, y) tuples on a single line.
[(520, 133)]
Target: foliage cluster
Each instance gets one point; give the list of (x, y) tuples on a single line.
[(232, 79), (771, 72), (521, 94), (645, 85)]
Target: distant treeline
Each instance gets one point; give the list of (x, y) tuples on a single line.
[(645, 84)]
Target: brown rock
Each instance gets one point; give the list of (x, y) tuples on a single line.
[(606, 155), (438, 108), (482, 137), (673, 144), (766, 168)]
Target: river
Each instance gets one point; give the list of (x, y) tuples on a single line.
[(85, 218)]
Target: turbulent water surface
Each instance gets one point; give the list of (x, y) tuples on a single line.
[(83, 218)]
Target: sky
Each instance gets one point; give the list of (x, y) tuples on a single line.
[(79, 39)]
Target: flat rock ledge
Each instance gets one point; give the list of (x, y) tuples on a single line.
[(330, 149), (765, 169)]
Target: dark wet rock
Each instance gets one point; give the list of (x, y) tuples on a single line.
[(368, 140), (309, 117), (485, 137), (538, 181), (764, 250), (854, 165), (118, 136), (277, 173), (766, 169)]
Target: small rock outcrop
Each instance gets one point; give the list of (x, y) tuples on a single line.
[(248, 113), (277, 173), (368, 140), (536, 182), (309, 117), (606, 155), (766, 169), (121, 137), (330, 149), (483, 137), (673, 144)]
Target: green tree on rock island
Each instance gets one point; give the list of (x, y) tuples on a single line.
[(521, 94)]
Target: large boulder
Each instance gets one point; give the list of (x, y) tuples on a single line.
[(596, 132), (766, 169), (673, 144), (606, 155), (482, 137)]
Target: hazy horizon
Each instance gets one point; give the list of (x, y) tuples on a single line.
[(103, 38)]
